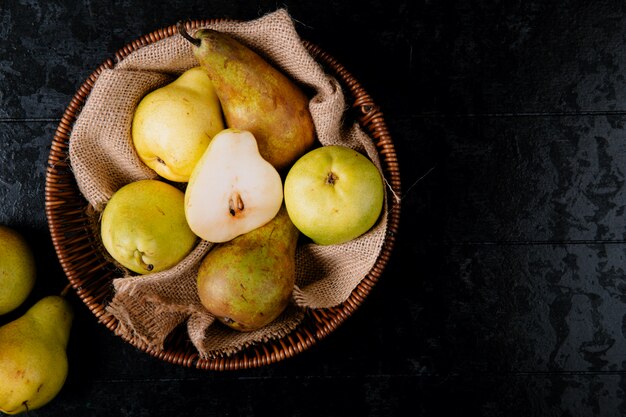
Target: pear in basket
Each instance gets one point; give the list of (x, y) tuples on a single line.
[(232, 189), (247, 282), (173, 125), (255, 96), (143, 226)]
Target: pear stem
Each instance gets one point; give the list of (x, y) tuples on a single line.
[(65, 290), (183, 32)]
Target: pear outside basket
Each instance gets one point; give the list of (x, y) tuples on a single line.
[(90, 274)]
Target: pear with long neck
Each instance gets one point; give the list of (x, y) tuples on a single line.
[(33, 358), (255, 96), (247, 282)]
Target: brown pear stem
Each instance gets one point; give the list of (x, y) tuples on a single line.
[(235, 204), (65, 290), (182, 29)]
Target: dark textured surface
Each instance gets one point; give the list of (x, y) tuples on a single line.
[(505, 295)]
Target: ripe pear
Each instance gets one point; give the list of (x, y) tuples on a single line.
[(232, 190), (334, 194), (17, 269), (143, 226), (173, 125), (247, 282), (33, 359), (255, 96)]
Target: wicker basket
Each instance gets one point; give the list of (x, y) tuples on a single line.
[(90, 274)]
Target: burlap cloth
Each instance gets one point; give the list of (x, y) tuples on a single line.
[(103, 159)]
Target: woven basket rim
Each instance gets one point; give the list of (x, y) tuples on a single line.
[(91, 276)]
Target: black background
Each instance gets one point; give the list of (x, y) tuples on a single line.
[(505, 294)]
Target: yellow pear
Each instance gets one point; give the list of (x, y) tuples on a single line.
[(255, 96), (334, 194), (17, 269), (173, 125), (143, 226), (33, 358)]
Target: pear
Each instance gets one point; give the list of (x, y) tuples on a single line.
[(255, 96), (334, 194), (17, 269), (232, 190), (247, 282), (143, 226), (173, 125), (33, 359)]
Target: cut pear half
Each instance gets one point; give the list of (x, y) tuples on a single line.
[(232, 189)]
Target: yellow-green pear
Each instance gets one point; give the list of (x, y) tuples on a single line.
[(143, 226), (232, 189), (33, 358), (17, 269), (255, 96), (247, 282), (173, 125), (334, 194)]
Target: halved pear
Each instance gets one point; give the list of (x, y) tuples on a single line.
[(232, 190)]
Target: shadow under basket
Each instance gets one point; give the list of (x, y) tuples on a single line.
[(91, 275)]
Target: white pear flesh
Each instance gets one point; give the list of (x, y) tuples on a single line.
[(232, 190)]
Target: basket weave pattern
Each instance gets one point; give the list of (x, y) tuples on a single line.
[(91, 275)]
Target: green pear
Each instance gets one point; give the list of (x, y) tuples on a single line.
[(247, 282), (334, 194), (33, 359), (143, 226), (173, 125), (232, 190), (255, 96), (17, 269)]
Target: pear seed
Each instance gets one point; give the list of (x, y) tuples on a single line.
[(235, 204)]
